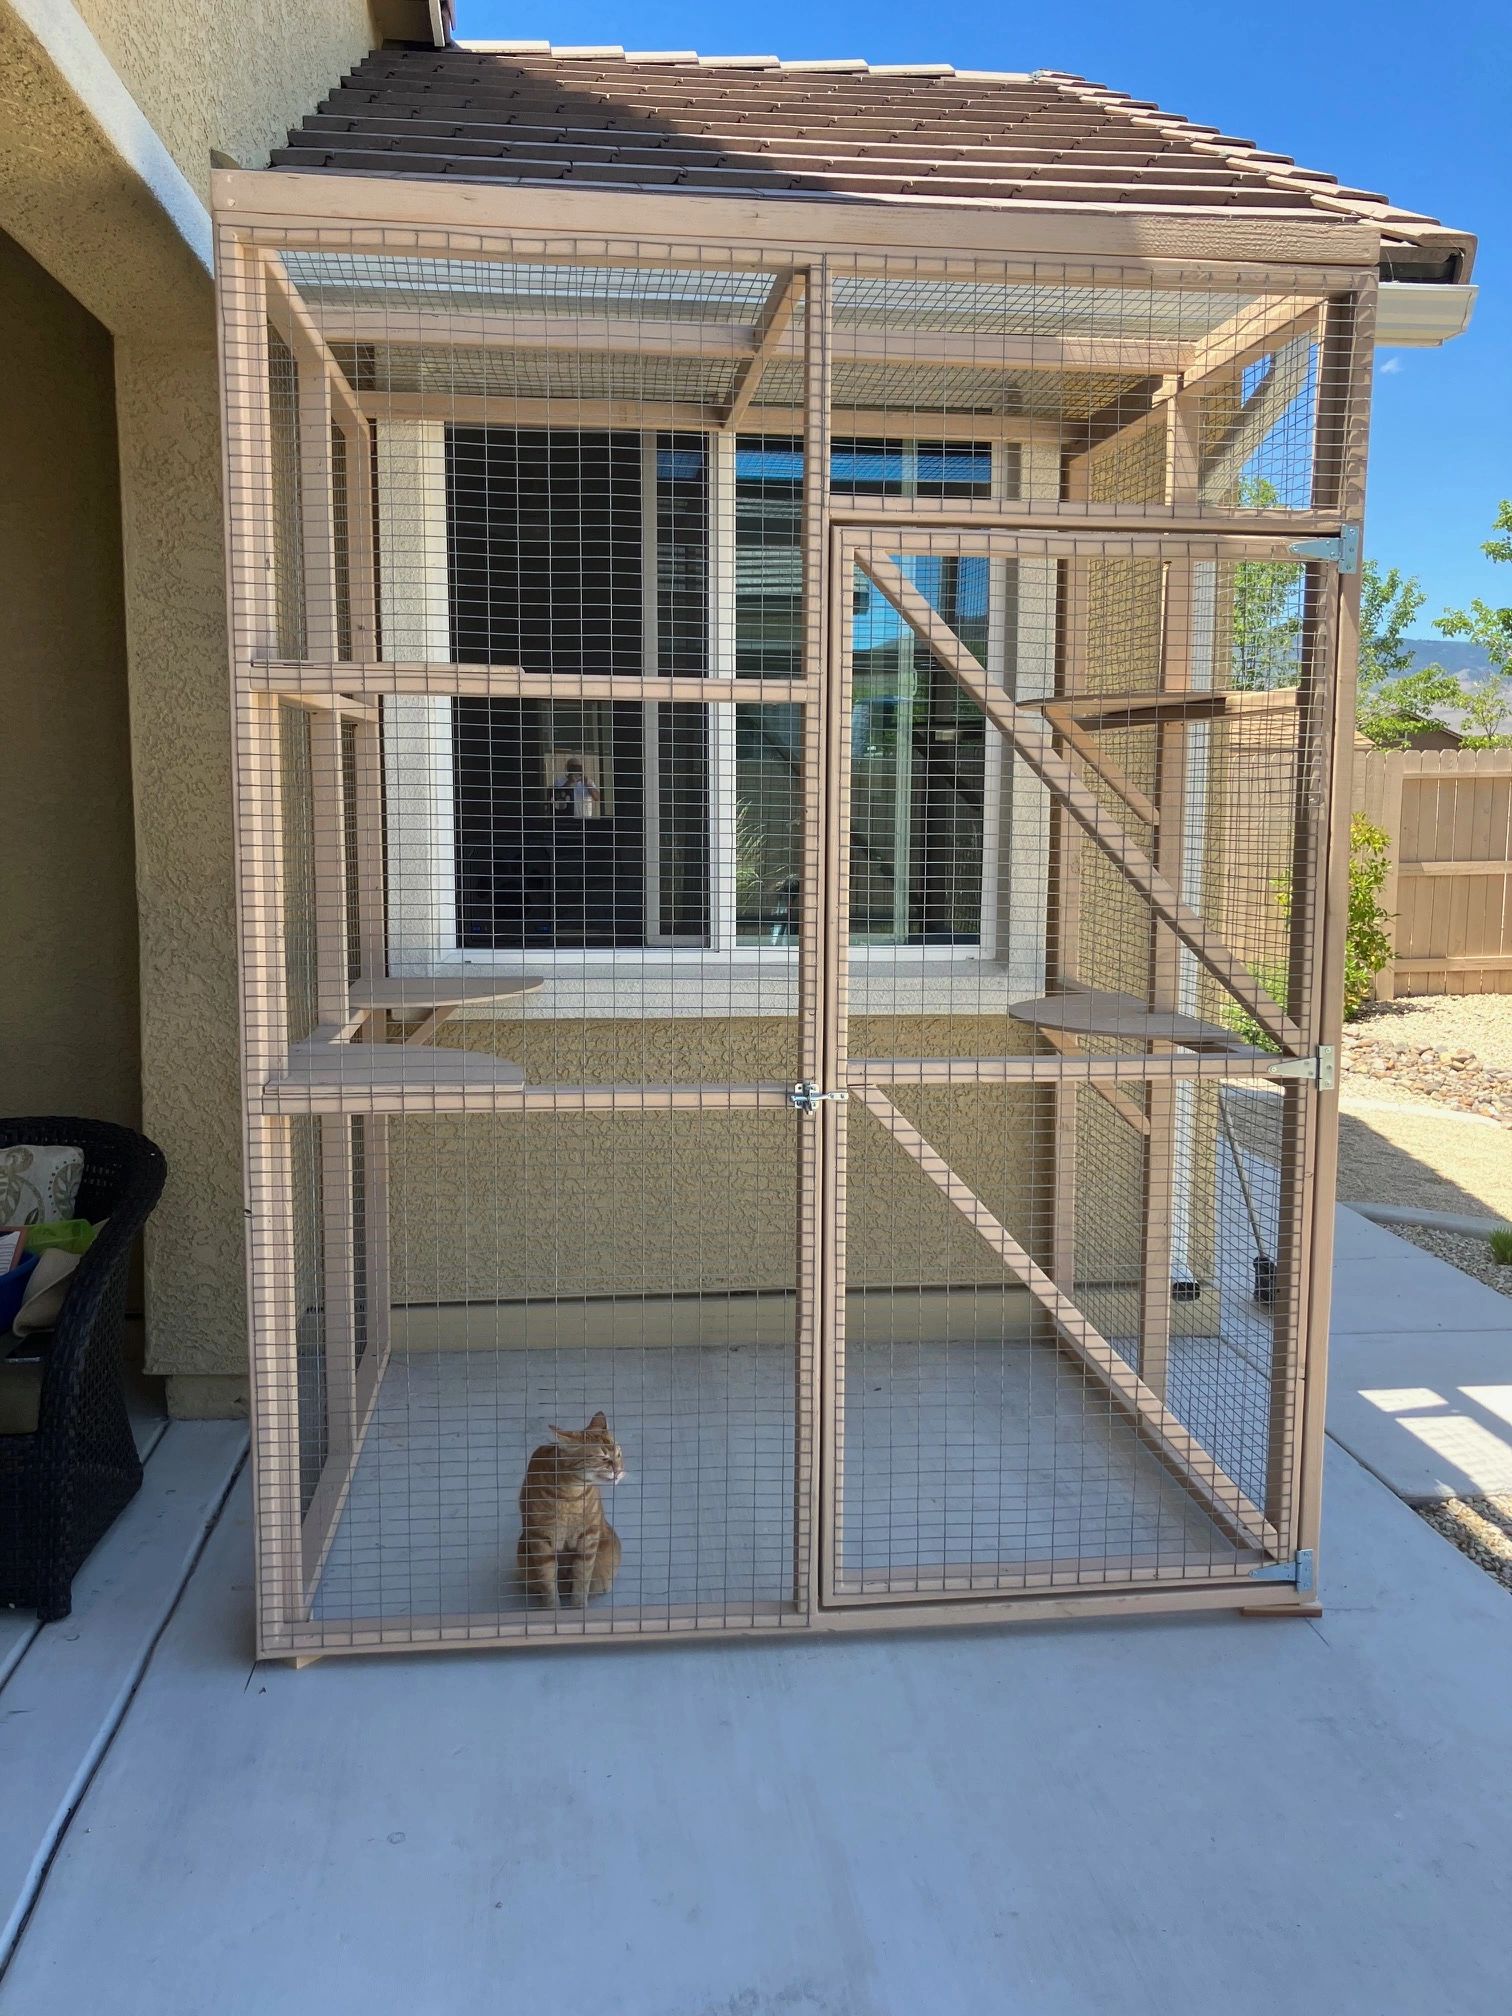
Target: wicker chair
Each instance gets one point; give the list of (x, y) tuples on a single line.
[(62, 1485)]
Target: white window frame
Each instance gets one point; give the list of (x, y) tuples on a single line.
[(423, 925)]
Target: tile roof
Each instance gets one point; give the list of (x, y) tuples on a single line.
[(672, 120)]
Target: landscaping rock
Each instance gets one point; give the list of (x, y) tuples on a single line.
[(1454, 1078)]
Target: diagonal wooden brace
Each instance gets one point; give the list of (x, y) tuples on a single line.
[(1179, 1451), (1033, 740)]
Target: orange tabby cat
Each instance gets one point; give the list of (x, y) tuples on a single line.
[(563, 1514)]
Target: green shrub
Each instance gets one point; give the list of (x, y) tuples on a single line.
[(1367, 942), (1501, 1246)]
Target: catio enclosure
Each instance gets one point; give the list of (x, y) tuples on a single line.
[(788, 800)]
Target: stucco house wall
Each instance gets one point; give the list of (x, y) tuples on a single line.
[(108, 112)]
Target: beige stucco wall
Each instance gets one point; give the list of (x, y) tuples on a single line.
[(68, 1005), (114, 213), (230, 74), (486, 1208)]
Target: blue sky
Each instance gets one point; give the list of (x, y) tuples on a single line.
[(1399, 97)]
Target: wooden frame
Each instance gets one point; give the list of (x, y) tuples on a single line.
[(345, 678)]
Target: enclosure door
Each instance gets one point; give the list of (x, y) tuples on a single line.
[(1077, 834)]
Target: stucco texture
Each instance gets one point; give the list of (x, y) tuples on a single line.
[(168, 407), (208, 73), (486, 1208), (95, 215), (68, 1006)]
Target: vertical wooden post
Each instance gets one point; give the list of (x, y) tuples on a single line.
[(820, 1252), (251, 585), (1310, 1125), (1161, 1174), (1063, 897)]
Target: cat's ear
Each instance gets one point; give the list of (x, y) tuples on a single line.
[(564, 1434), (598, 1422)]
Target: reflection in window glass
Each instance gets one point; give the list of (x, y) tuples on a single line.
[(590, 825)]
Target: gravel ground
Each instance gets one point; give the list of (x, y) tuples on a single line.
[(1479, 1527), (1471, 1256), (1480, 1023)]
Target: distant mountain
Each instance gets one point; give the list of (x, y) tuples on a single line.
[(1468, 661)]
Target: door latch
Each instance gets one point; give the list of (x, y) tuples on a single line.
[(806, 1097)]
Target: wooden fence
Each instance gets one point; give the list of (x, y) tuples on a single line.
[(1448, 814)]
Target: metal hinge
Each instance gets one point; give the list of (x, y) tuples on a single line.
[(1321, 1067), (807, 1098), (1344, 551), (1299, 1571)]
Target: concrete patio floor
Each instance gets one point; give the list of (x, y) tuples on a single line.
[(1172, 1816)]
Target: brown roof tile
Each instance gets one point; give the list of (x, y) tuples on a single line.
[(671, 120)]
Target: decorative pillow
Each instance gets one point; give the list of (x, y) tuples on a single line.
[(38, 1184), (42, 1303)]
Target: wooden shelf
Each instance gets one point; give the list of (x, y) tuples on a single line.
[(424, 993), (1157, 710), (1089, 1012), (324, 1075), (351, 685)]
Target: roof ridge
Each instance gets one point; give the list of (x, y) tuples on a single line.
[(859, 65)]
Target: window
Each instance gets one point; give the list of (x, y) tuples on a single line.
[(605, 826)]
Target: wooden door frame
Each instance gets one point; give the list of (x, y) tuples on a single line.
[(1269, 1531)]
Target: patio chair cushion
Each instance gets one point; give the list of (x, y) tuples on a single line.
[(39, 1183)]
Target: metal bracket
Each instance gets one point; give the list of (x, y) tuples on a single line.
[(1343, 552), (1321, 1068), (1299, 1571), (806, 1097)]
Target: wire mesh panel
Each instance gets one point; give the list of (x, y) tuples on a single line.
[(1072, 1251), (666, 702)]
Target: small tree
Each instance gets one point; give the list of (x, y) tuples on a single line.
[(1267, 619), (1487, 709), (1395, 702)]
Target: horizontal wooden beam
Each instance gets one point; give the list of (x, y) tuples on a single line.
[(1180, 1451), (668, 336), (1124, 1107), (1035, 1068), (498, 409), (471, 219), (1145, 530), (477, 409), (434, 1094), (1033, 740), (343, 704), (1454, 868), (320, 685), (1452, 962)]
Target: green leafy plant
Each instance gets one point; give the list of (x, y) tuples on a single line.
[(1395, 702), (1266, 631), (1367, 944), (1488, 707), (1501, 1246)]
